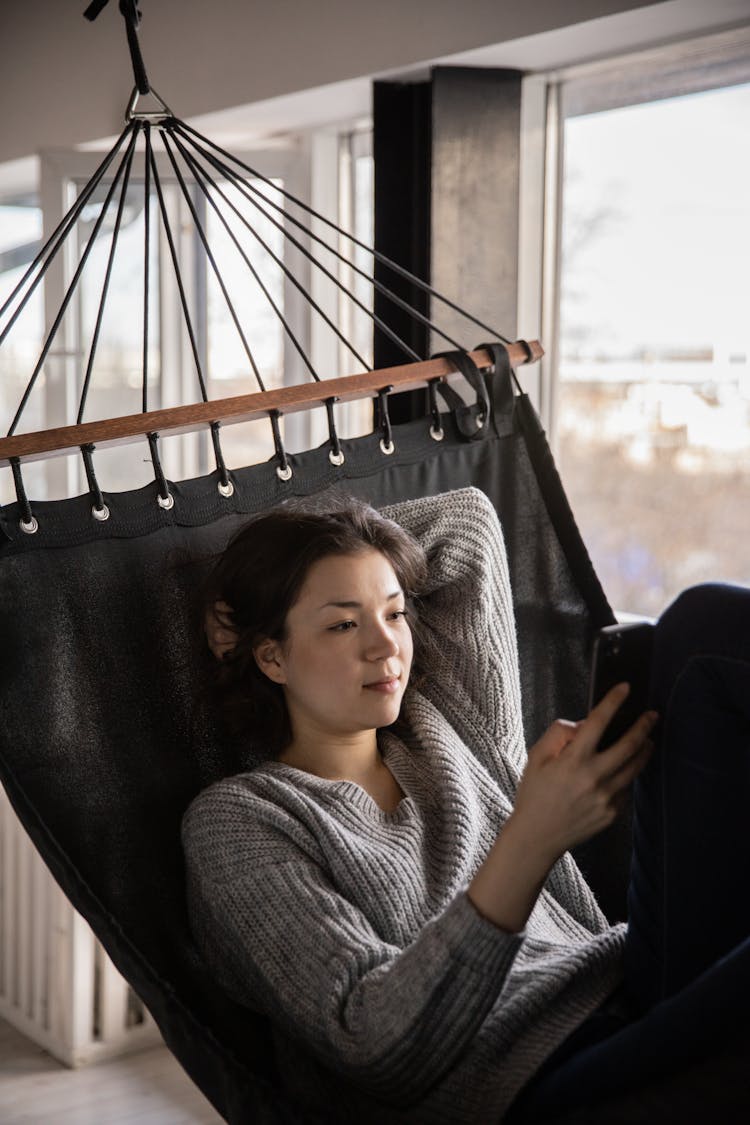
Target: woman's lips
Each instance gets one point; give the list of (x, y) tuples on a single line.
[(388, 687)]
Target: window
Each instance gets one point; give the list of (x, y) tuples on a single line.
[(339, 168), (650, 404)]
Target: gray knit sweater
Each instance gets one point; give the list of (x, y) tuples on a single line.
[(391, 998)]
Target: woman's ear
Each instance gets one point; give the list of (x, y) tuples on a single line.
[(270, 660), (220, 632)]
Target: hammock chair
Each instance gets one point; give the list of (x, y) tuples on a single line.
[(105, 734)]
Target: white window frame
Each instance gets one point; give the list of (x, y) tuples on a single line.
[(708, 62)]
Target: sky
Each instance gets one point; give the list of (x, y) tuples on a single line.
[(670, 264)]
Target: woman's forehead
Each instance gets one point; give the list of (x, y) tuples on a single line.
[(350, 577)]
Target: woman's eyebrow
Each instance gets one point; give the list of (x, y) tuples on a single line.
[(358, 605)]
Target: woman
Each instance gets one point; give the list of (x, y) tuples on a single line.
[(392, 885)]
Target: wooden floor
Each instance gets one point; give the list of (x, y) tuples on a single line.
[(149, 1087)]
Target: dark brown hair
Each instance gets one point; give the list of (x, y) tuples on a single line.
[(260, 575)]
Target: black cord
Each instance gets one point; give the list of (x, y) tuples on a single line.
[(72, 286), (105, 290), (225, 485), (202, 235), (28, 523), (99, 508), (335, 454), (244, 188), (382, 258), (132, 16), (386, 442), (284, 470), (165, 497)]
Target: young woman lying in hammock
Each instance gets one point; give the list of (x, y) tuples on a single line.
[(391, 884)]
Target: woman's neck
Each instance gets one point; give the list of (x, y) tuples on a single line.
[(351, 759)]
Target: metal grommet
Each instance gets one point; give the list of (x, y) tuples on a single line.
[(30, 527), (226, 489), (100, 514), (387, 449), (437, 434), (284, 474), (165, 502), (336, 458), (480, 421)]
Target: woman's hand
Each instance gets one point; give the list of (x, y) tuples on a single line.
[(220, 632), (570, 790)]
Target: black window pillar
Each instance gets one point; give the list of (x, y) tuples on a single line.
[(446, 154)]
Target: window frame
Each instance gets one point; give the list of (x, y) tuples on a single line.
[(706, 62)]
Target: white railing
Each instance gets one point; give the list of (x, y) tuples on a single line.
[(57, 984)]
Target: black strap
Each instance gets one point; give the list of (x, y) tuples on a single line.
[(132, 16), (335, 444), (88, 463), (472, 421), (23, 502), (220, 464), (502, 382), (383, 419), (280, 451), (161, 480)]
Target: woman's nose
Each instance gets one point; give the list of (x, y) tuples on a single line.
[(380, 642)]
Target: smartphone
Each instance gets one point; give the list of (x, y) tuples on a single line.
[(622, 653)]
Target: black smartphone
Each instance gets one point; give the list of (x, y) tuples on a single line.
[(622, 653)]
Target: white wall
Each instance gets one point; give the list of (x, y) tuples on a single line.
[(65, 81)]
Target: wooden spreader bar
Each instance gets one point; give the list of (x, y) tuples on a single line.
[(244, 408)]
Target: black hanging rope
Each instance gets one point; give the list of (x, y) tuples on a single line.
[(72, 286), (384, 421), (99, 509), (382, 258), (132, 16), (226, 488), (28, 523), (253, 194), (192, 163), (335, 454), (146, 260), (178, 277), (436, 429), (105, 290), (59, 234), (197, 173), (165, 498), (283, 469), (212, 260)]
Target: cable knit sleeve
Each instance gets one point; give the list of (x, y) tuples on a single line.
[(468, 607), (279, 937)]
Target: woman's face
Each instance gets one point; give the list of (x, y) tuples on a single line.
[(346, 661)]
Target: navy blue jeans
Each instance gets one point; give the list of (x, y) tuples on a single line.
[(687, 955)]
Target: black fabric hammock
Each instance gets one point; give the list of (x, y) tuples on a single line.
[(104, 739), (105, 732)]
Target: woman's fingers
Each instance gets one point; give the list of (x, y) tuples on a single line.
[(612, 760), (594, 725), (220, 635), (621, 779)]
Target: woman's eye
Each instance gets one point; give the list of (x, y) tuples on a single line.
[(399, 613), (342, 627)]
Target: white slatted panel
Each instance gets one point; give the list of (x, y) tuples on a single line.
[(57, 984)]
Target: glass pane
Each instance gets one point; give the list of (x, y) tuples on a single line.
[(653, 408), (356, 214), (257, 299), (116, 382)]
